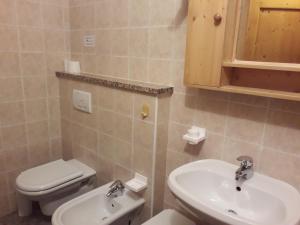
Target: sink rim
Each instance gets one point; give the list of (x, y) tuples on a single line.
[(181, 194), (102, 190)]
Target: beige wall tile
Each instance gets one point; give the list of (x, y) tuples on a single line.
[(34, 87), (16, 158), (4, 205), (10, 89), (123, 153), (283, 105), (211, 114), (106, 121), (106, 147), (141, 162), (282, 132), (274, 162), (138, 42), (75, 17), (120, 13), (161, 12), (87, 16), (13, 136), (52, 86), (36, 110), (8, 12), (143, 135), (120, 42), (124, 102), (106, 97), (8, 39), (9, 64), (123, 127), (29, 13), (12, 113), (53, 16), (104, 13), (104, 64), (122, 173), (160, 71), (119, 67), (183, 109), (104, 41), (54, 41), (33, 64), (39, 153), (138, 69), (179, 42), (246, 122), (76, 41), (139, 12), (31, 40), (233, 149), (37, 132), (159, 43)]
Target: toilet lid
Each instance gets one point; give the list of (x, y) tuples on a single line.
[(47, 176)]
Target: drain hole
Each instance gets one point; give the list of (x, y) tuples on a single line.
[(238, 188), (104, 218), (232, 211)]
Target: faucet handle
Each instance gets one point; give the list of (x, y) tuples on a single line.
[(118, 184), (246, 161)]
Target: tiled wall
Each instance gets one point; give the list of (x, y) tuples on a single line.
[(114, 139), (144, 40), (32, 45)]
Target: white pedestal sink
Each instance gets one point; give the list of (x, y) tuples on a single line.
[(209, 186)]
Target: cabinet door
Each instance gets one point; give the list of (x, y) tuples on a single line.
[(273, 31), (205, 40)]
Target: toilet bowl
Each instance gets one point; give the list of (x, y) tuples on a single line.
[(53, 184)]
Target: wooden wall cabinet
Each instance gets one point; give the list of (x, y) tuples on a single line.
[(211, 61)]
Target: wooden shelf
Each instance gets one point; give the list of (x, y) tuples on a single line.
[(262, 92), (255, 91), (292, 67)]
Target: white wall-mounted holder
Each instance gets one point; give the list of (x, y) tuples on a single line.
[(72, 66), (195, 135), (138, 183)]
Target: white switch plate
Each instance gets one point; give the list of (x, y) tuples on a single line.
[(89, 40), (82, 101)]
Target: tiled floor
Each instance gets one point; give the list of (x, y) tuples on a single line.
[(36, 219)]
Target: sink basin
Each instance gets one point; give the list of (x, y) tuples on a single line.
[(209, 186), (94, 208)]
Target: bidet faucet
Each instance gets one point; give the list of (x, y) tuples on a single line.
[(115, 187), (245, 171)]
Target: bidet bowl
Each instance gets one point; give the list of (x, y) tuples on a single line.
[(94, 208), (209, 186)]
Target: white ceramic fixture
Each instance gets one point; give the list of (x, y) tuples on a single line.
[(53, 184), (138, 183), (209, 186), (195, 135), (94, 208)]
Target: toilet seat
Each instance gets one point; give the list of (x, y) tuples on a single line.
[(47, 176)]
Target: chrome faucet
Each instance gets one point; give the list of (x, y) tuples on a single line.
[(246, 168), (115, 187)]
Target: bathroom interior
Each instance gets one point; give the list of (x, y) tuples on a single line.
[(149, 112)]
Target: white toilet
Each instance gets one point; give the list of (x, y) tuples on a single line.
[(53, 184)]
